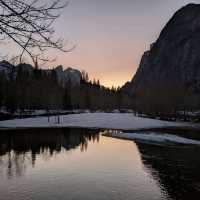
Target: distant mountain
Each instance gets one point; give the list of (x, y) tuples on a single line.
[(25, 67), (174, 59), (6, 67), (68, 75), (64, 76)]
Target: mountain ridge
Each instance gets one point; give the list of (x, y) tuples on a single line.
[(63, 75), (174, 59)]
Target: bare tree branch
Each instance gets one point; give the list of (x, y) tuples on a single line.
[(28, 23)]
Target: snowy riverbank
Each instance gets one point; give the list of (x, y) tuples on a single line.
[(125, 121), (153, 137)]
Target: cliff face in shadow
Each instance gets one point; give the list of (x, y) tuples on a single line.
[(174, 59)]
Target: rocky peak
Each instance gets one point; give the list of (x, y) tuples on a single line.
[(59, 68), (64, 76), (68, 75), (5, 65), (175, 57), (25, 67)]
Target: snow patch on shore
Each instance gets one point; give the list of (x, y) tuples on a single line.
[(155, 137), (122, 121)]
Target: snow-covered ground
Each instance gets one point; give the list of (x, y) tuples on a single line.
[(154, 137), (125, 121), (43, 112)]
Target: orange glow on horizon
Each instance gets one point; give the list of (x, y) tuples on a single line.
[(111, 36)]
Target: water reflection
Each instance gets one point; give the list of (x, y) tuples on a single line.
[(113, 169), (175, 168), (20, 148)]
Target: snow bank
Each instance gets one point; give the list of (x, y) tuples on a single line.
[(123, 121), (155, 137)]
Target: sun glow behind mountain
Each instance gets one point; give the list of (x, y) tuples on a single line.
[(110, 35)]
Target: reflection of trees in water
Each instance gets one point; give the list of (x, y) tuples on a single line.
[(20, 148), (14, 163), (176, 169)]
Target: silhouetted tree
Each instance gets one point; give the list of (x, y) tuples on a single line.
[(29, 25)]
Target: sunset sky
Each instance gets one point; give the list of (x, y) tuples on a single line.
[(111, 35)]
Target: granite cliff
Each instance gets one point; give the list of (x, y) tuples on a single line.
[(174, 59)]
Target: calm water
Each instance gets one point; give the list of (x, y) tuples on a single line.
[(82, 164)]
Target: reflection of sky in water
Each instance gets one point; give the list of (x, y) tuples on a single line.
[(108, 169), (82, 164)]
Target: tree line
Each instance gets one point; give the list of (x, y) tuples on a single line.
[(38, 89), (168, 101)]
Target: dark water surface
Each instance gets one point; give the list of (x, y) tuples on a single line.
[(78, 164)]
